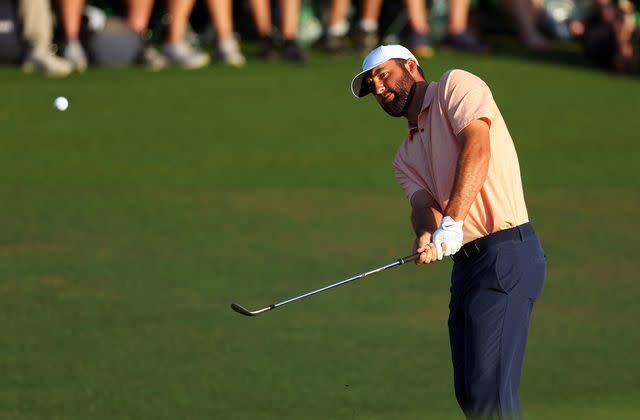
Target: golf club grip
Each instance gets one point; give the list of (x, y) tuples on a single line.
[(410, 258)]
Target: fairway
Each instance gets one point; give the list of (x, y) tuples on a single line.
[(129, 222)]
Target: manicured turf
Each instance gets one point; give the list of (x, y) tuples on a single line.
[(131, 221)]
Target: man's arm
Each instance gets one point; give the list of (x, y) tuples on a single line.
[(473, 165), (425, 218)]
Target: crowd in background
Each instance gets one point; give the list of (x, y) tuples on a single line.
[(178, 32)]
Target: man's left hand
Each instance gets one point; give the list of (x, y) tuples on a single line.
[(450, 233)]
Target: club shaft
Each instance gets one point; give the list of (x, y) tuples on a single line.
[(359, 276)]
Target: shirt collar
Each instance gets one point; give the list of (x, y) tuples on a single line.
[(426, 103)]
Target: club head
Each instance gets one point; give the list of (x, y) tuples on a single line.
[(239, 309)]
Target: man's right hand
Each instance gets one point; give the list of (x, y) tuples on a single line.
[(426, 249)]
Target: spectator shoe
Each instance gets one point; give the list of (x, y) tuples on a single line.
[(186, 55), (229, 53), (75, 54), (47, 63), (465, 42)]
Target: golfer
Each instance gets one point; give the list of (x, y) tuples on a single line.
[(459, 169)]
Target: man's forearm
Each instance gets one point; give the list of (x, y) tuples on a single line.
[(425, 220), (471, 173), (424, 215)]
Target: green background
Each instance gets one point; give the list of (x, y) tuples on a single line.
[(130, 222)]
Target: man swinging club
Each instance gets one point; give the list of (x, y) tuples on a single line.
[(459, 169)]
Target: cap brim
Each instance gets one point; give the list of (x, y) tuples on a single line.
[(357, 87)]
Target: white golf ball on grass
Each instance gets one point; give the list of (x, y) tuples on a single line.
[(61, 103)]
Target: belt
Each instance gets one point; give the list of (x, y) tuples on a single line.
[(480, 245)]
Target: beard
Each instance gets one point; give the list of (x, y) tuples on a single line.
[(402, 95)]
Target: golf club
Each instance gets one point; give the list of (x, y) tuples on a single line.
[(244, 311)]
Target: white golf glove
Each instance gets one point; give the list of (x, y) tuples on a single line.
[(449, 232)]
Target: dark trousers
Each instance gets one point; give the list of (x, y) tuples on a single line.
[(494, 284)]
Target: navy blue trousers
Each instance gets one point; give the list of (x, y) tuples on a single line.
[(494, 284)]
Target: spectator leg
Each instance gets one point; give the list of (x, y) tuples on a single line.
[(525, 13), (228, 50), (262, 16), (71, 15), (221, 12), (420, 40), (417, 14), (138, 15), (338, 13), (179, 12), (37, 24), (458, 16), (370, 13), (290, 12)]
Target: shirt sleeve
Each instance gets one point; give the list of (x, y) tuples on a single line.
[(408, 185), (467, 98)]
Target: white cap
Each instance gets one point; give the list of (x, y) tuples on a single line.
[(375, 58)]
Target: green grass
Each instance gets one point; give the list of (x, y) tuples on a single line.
[(131, 221)]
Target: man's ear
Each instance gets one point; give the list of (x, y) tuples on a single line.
[(411, 66)]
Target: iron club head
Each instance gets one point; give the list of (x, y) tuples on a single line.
[(244, 311), (239, 309)]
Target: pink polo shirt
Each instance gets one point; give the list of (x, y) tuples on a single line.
[(428, 157)]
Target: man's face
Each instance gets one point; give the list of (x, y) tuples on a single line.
[(392, 85)]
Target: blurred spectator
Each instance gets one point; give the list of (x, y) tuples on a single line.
[(138, 15), (177, 47), (625, 29), (420, 41), (459, 37), (525, 13), (228, 49), (71, 16), (367, 29), (610, 35), (336, 40), (289, 14), (139, 12), (37, 30)]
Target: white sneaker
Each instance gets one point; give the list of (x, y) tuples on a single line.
[(47, 63), (74, 53), (229, 52), (153, 59), (185, 55)]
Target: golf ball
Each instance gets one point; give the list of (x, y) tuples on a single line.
[(61, 103)]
